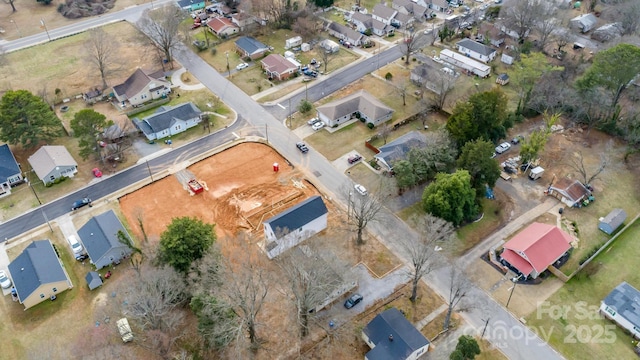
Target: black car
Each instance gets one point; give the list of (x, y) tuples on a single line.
[(80, 203), (302, 147), (353, 301)]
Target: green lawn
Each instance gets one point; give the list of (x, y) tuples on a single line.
[(585, 291)]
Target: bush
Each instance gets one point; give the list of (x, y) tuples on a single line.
[(388, 76), (305, 106), (214, 51), (370, 125)]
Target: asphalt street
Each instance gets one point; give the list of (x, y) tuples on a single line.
[(504, 331)]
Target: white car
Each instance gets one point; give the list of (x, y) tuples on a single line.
[(503, 147), (242, 66), (317, 126), (360, 189), (5, 282)]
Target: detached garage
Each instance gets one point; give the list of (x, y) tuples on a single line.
[(613, 221)]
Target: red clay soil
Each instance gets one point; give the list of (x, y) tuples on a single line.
[(242, 191)]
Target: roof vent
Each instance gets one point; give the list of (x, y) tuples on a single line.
[(390, 337), (21, 269)]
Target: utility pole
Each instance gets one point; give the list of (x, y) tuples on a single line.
[(228, 68), (45, 28), (515, 282)]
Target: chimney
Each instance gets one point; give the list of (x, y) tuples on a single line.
[(390, 337)]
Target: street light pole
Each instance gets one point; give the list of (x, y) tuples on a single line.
[(16, 25), (515, 282), (45, 28)]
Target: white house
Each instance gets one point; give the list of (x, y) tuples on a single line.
[(53, 162), (384, 14), (364, 22), (476, 50), (360, 103), (169, 121), (294, 225), (391, 336), (622, 305), (141, 87)]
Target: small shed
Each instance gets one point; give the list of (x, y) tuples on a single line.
[(93, 280), (293, 42), (502, 79), (305, 47), (536, 173), (612, 222)]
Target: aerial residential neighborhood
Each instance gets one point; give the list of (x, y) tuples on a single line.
[(225, 179)]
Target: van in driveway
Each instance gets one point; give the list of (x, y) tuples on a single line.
[(75, 245)]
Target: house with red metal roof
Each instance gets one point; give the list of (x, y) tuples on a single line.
[(535, 248)]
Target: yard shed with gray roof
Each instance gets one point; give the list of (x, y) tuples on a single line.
[(622, 305), (93, 280), (612, 221), (391, 336), (361, 102), (583, 23), (399, 148), (10, 172), (169, 121), (38, 274), (100, 238), (294, 225)]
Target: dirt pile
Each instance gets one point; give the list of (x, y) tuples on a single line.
[(74, 9)]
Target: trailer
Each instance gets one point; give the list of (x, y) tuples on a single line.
[(536, 173), (125, 330), (195, 186)]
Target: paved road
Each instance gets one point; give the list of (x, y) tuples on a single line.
[(516, 341)]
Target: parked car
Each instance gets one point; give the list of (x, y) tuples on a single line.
[(354, 300), (317, 126), (196, 25), (5, 282), (503, 147), (75, 245), (354, 159), (96, 172), (313, 121), (516, 140), (81, 203), (360, 189), (242, 66), (302, 147)]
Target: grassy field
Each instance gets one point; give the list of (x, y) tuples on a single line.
[(579, 334)]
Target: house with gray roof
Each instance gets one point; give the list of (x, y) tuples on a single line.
[(168, 121), (432, 75), (100, 238), (361, 104), (142, 87), (476, 50), (383, 13), (345, 33), (399, 148), (251, 48), (622, 305), (612, 221), (38, 274), (93, 280), (294, 225), (583, 23), (409, 7), (437, 5), (52, 162), (403, 20), (364, 22), (10, 172), (391, 336)]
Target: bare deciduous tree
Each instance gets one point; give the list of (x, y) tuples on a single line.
[(362, 209), (408, 45), (101, 49), (520, 16), (459, 286), (312, 275), (163, 27), (384, 131), (432, 231), (577, 163), (245, 287), (441, 85), (154, 299), (546, 24), (402, 88), (326, 57)]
